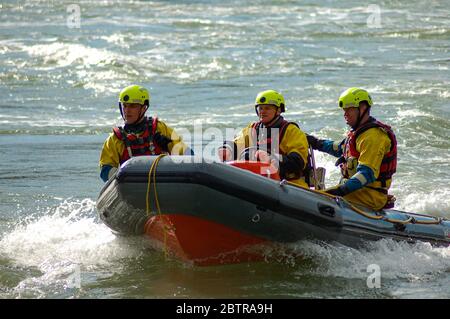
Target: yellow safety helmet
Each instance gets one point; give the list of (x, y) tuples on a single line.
[(270, 97), (352, 97), (134, 94)]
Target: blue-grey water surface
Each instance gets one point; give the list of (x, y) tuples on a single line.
[(204, 62)]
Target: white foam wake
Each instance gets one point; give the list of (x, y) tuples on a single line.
[(396, 260), (66, 244)]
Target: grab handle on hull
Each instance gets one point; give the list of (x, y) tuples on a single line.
[(326, 210)]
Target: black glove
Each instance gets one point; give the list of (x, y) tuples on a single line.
[(162, 141), (315, 143), (340, 190)]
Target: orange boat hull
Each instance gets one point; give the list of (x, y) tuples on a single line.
[(202, 242)]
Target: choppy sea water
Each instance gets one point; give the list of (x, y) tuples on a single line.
[(204, 62)]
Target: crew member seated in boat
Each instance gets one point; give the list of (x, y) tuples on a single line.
[(272, 139), (367, 156), (139, 136)]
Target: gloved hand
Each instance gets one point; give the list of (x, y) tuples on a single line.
[(162, 141), (107, 172), (315, 143), (340, 190)]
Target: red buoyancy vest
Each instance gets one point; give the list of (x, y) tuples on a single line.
[(389, 162), (265, 141), (138, 146)]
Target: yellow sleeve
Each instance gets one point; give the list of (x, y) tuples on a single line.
[(111, 151), (177, 146), (243, 138), (294, 141), (372, 145)]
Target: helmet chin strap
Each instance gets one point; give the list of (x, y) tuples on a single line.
[(121, 111), (273, 120), (360, 117), (140, 117)]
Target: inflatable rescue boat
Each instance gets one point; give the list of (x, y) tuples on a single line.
[(219, 213)]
